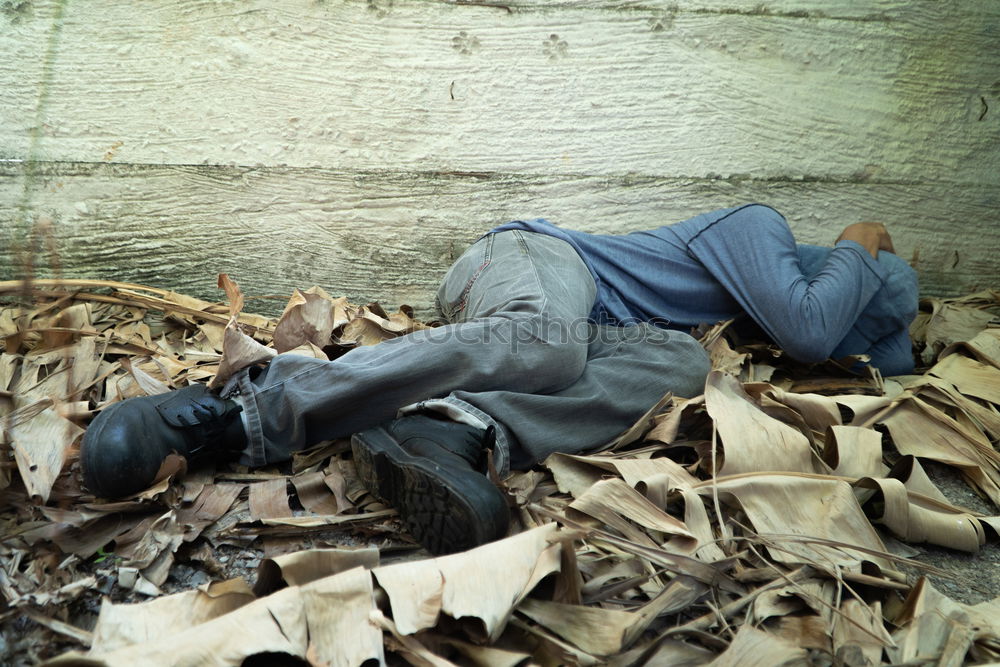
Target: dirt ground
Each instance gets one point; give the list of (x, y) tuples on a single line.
[(976, 577)]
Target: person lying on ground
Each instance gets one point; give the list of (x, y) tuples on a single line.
[(556, 341)]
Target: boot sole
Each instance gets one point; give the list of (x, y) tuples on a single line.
[(445, 510)]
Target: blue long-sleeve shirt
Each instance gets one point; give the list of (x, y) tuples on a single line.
[(812, 301)]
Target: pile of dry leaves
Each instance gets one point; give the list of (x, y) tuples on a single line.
[(763, 522)]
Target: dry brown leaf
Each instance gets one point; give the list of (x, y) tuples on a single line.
[(916, 519), (238, 349), (135, 333), (814, 410), (269, 499), (753, 441), (214, 335), (309, 317), (402, 321), (934, 629), (416, 592), (859, 634), (120, 625), (922, 430), (487, 656), (86, 539), (971, 377), (81, 636), (233, 294), (655, 477), (725, 359), (320, 520), (413, 651), (573, 474), (363, 331), (155, 536), (755, 648), (786, 506), (909, 471), (673, 653), (554, 650), (668, 425), (867, 410), (606, 632), (302, 567), (47, 592), (370, 325), (697, 520), (166, 368), (985, 346), (212, 503), (851, 451), (599, 632), (308, 350), (314, 494), (776, 603), (985, 416), (238, 352), (809, 632), (337, 482), (149, 384), (66, 324), (614, 495), (951, 321), (329, 617), (454, 584), (41, 445)]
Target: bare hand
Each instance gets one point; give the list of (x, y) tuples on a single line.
[(872, 235)]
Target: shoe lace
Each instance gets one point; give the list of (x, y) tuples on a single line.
[(209, 431)]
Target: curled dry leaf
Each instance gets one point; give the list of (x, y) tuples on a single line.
[(328, 617), (239, 351), (915, 518), (455, 584), (301, 567), (309, 317), (752, 440)]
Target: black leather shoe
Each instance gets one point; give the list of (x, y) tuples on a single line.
[(125, 445), (433, 472)]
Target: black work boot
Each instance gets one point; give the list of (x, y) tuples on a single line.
[(125, 445), (433, 472)]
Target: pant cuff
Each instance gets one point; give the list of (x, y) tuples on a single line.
[(464, 413), (240, 390)]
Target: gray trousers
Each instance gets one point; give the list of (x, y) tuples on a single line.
[(518, 354)]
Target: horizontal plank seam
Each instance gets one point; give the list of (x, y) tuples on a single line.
[(626, 176), (756, 11)]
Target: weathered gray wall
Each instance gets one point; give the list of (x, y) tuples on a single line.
[(361, 145)]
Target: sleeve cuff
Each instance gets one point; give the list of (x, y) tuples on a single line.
[(869, 261)]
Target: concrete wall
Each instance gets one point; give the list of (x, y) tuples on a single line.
[(361, 145)]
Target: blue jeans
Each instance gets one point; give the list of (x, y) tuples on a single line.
[(518, 354)]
